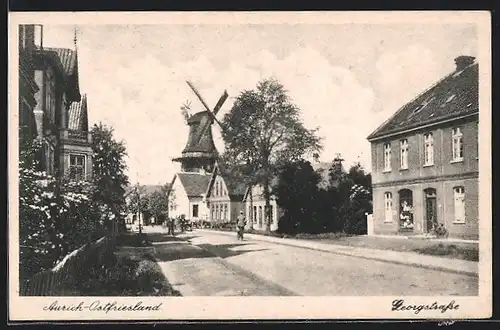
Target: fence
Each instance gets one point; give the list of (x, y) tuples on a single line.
[(46, 283)]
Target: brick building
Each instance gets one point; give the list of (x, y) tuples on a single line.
[(425, 160)]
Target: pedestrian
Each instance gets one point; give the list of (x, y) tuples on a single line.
[(172, 227), (241, 225)]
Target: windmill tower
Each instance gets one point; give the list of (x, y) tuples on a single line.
[(199, 154)]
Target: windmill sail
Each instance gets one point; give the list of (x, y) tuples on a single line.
[(207, 121)]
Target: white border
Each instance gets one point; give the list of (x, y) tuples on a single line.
[(31, 308)]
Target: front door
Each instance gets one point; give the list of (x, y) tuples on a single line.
[(431, 209)]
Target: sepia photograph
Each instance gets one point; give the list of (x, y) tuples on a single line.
[(249, 165)]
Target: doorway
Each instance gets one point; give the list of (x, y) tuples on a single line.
[(430, 208)]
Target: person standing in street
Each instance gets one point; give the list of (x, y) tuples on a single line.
[(241, 222), (172, 227)]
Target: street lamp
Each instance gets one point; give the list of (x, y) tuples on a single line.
[(139, 207)]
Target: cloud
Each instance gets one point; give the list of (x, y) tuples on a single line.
[(403, 74)]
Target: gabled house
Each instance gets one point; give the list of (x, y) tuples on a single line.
[(187, 196), (60, 111), (425, 160), (224, 196), (255, 203)]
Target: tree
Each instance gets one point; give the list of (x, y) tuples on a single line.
[(138, 203), (157, 203), (296, 193), (263, 131), (109, 174), (171, 198), (50, 227), (350, 193)]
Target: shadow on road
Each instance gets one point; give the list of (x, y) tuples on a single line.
[(225, 250), (170, 248)]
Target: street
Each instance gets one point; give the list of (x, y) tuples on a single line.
[(203, 263)]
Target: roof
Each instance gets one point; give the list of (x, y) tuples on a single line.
[(273, 183), (234, 182), (68, 58), (69, 61), (456, 95), (77, 115), (145, 189), (195, 184)]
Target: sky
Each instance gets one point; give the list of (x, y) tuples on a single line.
[(347, 79)]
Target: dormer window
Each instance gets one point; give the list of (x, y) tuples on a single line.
[(419, 107)]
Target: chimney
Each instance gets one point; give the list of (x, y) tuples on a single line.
[(464, 61)]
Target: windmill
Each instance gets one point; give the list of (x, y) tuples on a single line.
[(200, 151), (205, 124)]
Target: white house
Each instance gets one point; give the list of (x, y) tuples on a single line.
[(187, 196)]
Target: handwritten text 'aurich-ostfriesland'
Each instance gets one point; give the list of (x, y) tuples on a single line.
[(98, 306)]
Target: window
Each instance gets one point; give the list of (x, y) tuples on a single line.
[(387, 157), (271, 216), (195, 210), (459, 203), (404, 154), (457, 145), (225, 211), (216, 188), (406, 209), (212, 212), (428, 149), (255, 214), (77, 167), (388, 207), (260, 215)]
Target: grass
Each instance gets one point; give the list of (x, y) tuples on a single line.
[(462, 251), (130, 270)]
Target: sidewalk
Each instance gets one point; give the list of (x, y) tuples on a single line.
[(404, 258), (434, 239)]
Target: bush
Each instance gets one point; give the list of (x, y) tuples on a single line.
[(106, 274)]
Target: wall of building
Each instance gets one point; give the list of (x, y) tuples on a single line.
[(202, 209), (443, 175), (181, 200), (443, 164), (257, 202), (445, 207)]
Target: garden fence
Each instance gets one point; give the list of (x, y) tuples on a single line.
[(47, 283)]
